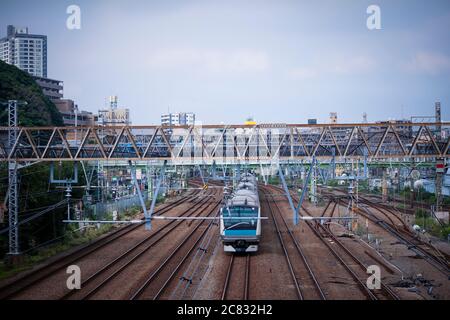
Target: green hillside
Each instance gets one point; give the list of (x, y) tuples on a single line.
[(16, 84)]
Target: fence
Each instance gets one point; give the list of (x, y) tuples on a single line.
[(100, 210)]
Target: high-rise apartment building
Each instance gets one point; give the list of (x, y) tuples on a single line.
[(26, 51)]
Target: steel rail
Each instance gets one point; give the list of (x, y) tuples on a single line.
[(247, 277), (227, 278), (302, 255), (367, 292), (434, 260), (406, 230), (392, 294), (388, 290), (128, 263), (173, 224), (139, 292), (246, 283), (438, 262), (175, 271), (325, 209), (286, 255), (15, 287)]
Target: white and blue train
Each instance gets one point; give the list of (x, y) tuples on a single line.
[(240, 223)]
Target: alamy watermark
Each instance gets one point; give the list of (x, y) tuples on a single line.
[(374, 280), (74, 280), (73, 21), (374, 20)]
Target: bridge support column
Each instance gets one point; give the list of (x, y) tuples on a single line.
[(155, 196), (295, 210), (141, 199), (263, 174), (288, 195)]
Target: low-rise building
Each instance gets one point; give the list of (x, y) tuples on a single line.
[(72, 116), (114, 116), (178, 119), (52, 89)]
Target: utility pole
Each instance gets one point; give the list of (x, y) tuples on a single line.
[(13, 195), (440, 170), (384, 187), (313, 186)]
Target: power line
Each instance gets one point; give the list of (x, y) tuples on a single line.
[(37, 215)]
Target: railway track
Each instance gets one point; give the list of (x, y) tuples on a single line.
[(390, 214), (421, 248), (386, 292), (425, 250), (346, 259), (305, 281), (164, 274), (331, 213), (237, 280), (16, 287), (406, 231), (110, 271), (377, 197)]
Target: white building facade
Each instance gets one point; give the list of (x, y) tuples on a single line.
[(178, 119), (26, 51)]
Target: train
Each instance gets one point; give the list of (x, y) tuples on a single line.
[(240, 223)]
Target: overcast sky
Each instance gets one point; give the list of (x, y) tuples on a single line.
[(278, 61)]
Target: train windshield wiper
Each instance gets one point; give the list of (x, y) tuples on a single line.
[(237, 224)]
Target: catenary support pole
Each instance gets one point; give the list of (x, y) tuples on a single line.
[(155, 196), (13, 203)]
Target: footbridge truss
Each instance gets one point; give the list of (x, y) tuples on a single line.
[(206, 144)]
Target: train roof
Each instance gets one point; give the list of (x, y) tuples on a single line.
[(243, 201), (244, 197), (246, 185), (246, 192)]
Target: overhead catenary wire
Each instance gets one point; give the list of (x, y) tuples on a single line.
[(37, 215)]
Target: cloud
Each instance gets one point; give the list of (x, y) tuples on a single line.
[(334, 66), (216, 61), (428, 62), (356, 65), (303, 73)]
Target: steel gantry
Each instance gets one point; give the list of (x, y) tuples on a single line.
[(267, 146), (222, 144)]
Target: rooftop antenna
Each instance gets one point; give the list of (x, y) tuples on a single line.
[(113, 102)]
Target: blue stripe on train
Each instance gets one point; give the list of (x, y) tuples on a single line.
[(240, 232)]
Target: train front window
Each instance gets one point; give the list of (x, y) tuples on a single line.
[(238, 217)]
